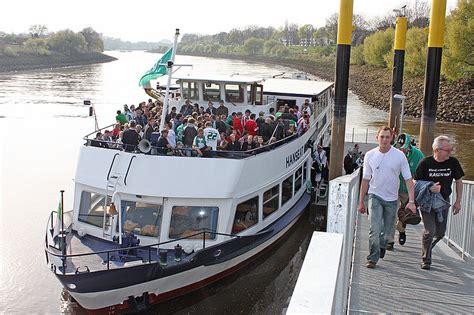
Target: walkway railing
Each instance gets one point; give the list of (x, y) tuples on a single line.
[(460, 227), (342, 214)]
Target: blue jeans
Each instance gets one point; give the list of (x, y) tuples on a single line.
[(382, 216)]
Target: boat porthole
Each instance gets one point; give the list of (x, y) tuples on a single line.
[(71, 286), (217, 253)]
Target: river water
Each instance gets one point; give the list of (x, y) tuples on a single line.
[(42, 122)]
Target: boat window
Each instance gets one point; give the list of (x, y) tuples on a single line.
[(190, 220), (211, 92), (287, 190), (190, 90), (298, 179), (271, 200), (141, 218), (304, 172), (246, 215), (91, 209), (258, 94), (234, 93), (255, 94)]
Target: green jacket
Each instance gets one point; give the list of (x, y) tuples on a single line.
[(414, 157)]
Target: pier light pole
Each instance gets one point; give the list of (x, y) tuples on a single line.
[(432, 74), (343, 54), (394, 120)]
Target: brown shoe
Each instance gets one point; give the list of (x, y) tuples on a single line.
[(370, 264), (425, 266)]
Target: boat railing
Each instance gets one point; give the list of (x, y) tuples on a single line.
[(55, 252), (460, 227), (320, 122), (189, 152)]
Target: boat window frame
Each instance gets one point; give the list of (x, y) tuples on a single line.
[(102, 201), (256, 221), (291, 177), (295, 181), (273, 197), (159, 220), (195, 96), (208, 236), (240, 98), (205, 96)]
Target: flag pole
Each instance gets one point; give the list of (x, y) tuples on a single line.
[(170, 72), (63, 247)]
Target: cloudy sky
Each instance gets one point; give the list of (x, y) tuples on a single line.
[(156, 20)]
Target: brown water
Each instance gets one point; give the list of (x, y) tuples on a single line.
[(42, 122)]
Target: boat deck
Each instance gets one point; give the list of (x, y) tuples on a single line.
[(399, 285)]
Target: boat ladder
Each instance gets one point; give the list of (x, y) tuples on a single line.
[(113, 182)]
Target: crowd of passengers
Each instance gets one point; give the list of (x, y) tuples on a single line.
[(199, 131)]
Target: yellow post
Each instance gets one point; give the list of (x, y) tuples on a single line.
[(338, 125), (394, 120), (432, 75)]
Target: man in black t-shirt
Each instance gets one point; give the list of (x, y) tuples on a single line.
[(440, 168), (130, 138)]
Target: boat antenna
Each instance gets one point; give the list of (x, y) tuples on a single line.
[(169, 67)]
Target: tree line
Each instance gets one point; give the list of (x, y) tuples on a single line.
[(372, 40), (40, 42)]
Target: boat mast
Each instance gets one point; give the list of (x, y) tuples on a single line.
[(170, 71)]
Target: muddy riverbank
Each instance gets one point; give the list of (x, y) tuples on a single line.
[(29, 62)]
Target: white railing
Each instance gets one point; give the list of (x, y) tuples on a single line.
[(342, 214), (460, 227), (360, 135), (315, 289), (323, 282)]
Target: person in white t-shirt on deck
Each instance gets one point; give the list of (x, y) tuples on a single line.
[(212, 136), (382, 167)]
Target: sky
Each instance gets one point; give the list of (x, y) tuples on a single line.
[(156, 20)]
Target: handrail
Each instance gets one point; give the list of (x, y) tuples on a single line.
[(211, 153), (111, 164), (203, 232), (86, 137), (460, 226), (322, 111), (129, 164)]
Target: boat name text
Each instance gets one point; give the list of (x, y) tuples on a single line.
[(295, 156)]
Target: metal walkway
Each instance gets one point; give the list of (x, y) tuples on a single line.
[(399, 285)]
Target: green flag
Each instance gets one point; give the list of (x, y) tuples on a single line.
[(158, 70)]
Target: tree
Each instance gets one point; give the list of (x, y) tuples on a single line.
[(418, 14), (357, 55), (67, 42), (37, 46), (331, 27), (93, 40), (270, 47), (38, 30), (458, 57), (376, 46), (415, 52), (306, 32), (253, 46)]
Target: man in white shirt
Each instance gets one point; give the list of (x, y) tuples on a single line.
[(382, 167), (212, 136), (171, 135)]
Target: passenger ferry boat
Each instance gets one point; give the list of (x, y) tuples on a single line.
[(147, 227)]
